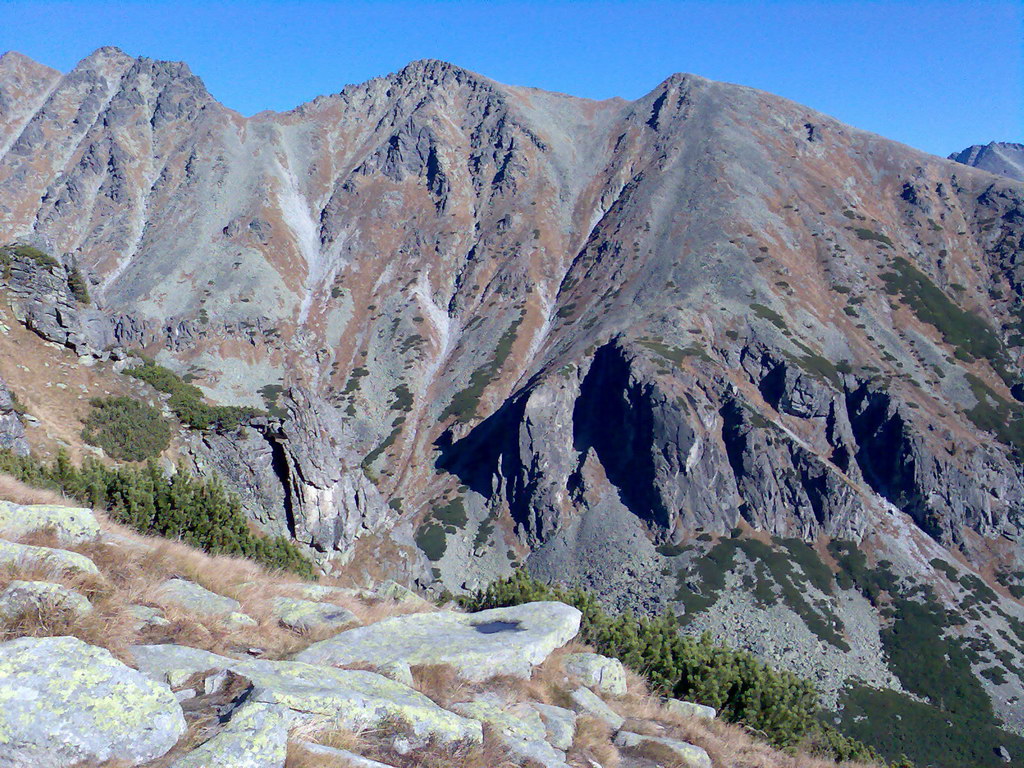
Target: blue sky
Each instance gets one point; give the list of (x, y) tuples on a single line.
[(936, 75)]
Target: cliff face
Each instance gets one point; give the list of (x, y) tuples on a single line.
[(517, 325)]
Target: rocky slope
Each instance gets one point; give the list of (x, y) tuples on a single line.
[(105, 661), (493, 325), (1000, 157)]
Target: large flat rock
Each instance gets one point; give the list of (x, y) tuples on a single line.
[(65, 703), (256, 736), (72, 525), (502, 641), (355, 698), (202, 602)]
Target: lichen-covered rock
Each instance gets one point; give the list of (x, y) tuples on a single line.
[(520, 728), (688, 755), (256, 736), (57, 560), (306, 615), (72, 525), (63, 703), (202, 602), (597, 671), (479, 645), (356, 698), (21, 596), (586, 702), (173, 664), (690, 709), (559, 724)]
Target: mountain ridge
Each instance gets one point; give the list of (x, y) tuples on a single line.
[(494, 327)]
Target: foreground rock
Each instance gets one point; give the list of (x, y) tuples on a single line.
[(597, 671), (520, 728), (202, 602), (38, 596), (586, 702), (256, 736), (72, 525), (65, 703), (354, 698), (502, 641), (688, 755), (19, 556), (689, 709)]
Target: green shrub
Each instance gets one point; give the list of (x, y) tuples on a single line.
[(742, 688), (126, 428), (196, 510), (187, 400), (77, 286)]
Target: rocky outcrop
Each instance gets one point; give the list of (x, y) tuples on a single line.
[(502, 641), (66, 703), (12, 431), (71, 525)]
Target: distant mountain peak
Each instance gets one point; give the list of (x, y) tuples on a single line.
[(1004, 158)]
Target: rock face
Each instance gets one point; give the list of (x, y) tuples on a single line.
[(1001, 157), (12, 431), (502, 641), (65, 703)]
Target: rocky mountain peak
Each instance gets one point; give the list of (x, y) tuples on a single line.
[(1000, 157)]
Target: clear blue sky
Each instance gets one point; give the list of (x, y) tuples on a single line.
[(936, 75)]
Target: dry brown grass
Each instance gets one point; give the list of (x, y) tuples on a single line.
[(727, 744), (592, 744), (377, 744), (20, 493)]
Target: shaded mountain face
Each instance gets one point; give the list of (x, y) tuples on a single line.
[(999, 157), (493, 325)]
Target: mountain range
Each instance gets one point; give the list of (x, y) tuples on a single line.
[(709, 351)]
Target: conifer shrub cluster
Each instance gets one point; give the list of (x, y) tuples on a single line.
[(126, 428), (743, 689), (187, 400), (180, 506)]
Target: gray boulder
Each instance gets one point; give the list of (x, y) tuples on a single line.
[(355, 698), (520, 728), (256, 736), (559, 724), (586, 702), (688, 755), (597, 671), (56, 560), (306, 615), (689, 709), (203, 602), (479, 645), (63, 703), (72, 525), (21, 596)]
